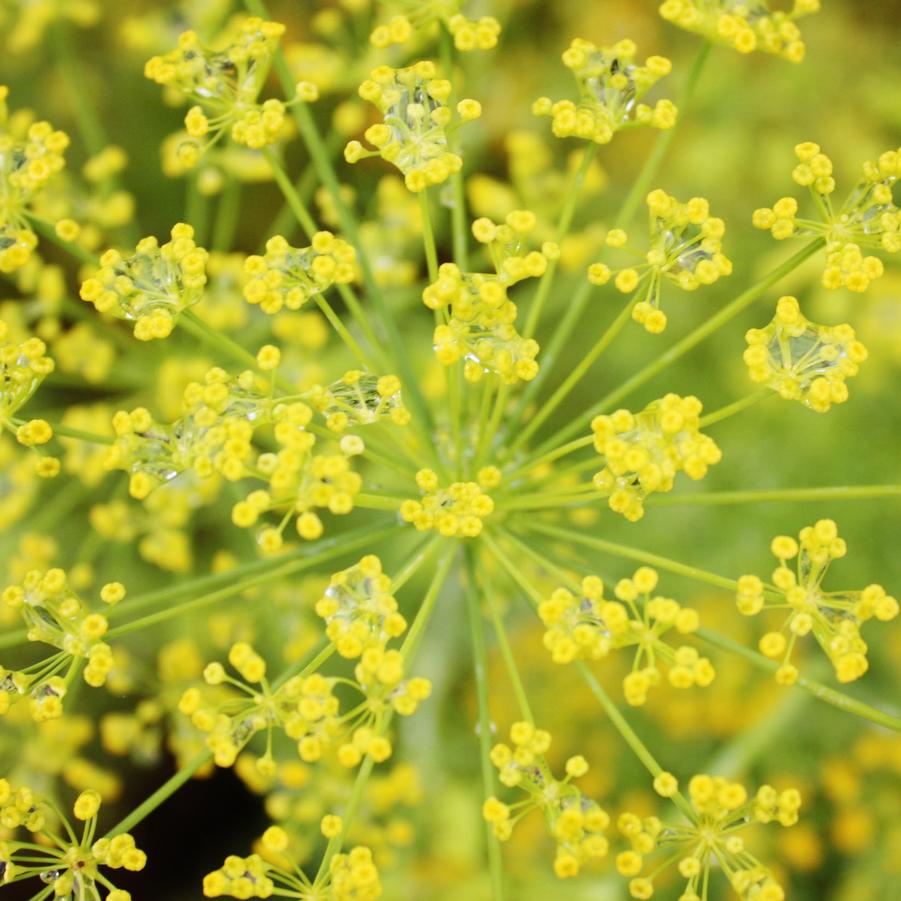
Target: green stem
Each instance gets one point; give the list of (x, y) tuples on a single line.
[(652, 164), (293, 199), (459, 235), (736, 407), (574, 377), (555, 454), (377, 502), (817, 689), (631, 553), (228, 347), (563, 226), (47, 230), (428, 236), (479, 666), (165, 791), (344, 334), (66, 431), (414, 636), (680, 348), (829, 492), (227, 214)]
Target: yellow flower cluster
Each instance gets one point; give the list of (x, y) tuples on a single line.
[(644, 451), (418, 125), (351, 877), (27, 162), (802, 360), (458, 510), (421, 15), (833, 617), (359, 398), (869, 216), (686, 248), (587, 626), (287, 277), (153, 285), (745, 26), (479, 326), (610, 84), (719, 810), (226, 85), (69, 868), (56, 615), (23, 366), (575, 821), (305, 707), (359, 610)]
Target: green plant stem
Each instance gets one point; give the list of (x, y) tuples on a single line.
[(197, 208), (680, 348), (225, 345), (829, 492), (630, 553), (65, 431), (292, 198), (343, 333), (47, 230), (163, 793), (428, 236), (889, 720), (228, 211), (574, 377), (414, 636), (555, 454), (459, 237), (377, 502), (735, 407), (563, 225), (652, 164), (479, 666)]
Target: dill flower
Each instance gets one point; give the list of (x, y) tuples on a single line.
[(351, 877), (644, 451), (55, 614), (73, 867), (359, 398), (686, 249), (575, 821), (226, 85), (802, 360), (589, 627), (479, 318), (418, 126), (418, 17), (744, 26), (23, 366), (610, 84), (719, 810), (153, 285), (457, 510), (833, 618), (286, 277), (27, 163), (868, 218)]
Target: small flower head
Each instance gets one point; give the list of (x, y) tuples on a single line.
[(226, 85), (720, 810), (285, 277), (358, 399), (153, 285), (644, 451), (685, 249), (610, 84), (418, 125), (745, 26), (70, 866), (458, 510), (23, 366), (868, 218), (833, 617), (28, 160), (420, 17), (802, 360), (359, 609), (575, 821)]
